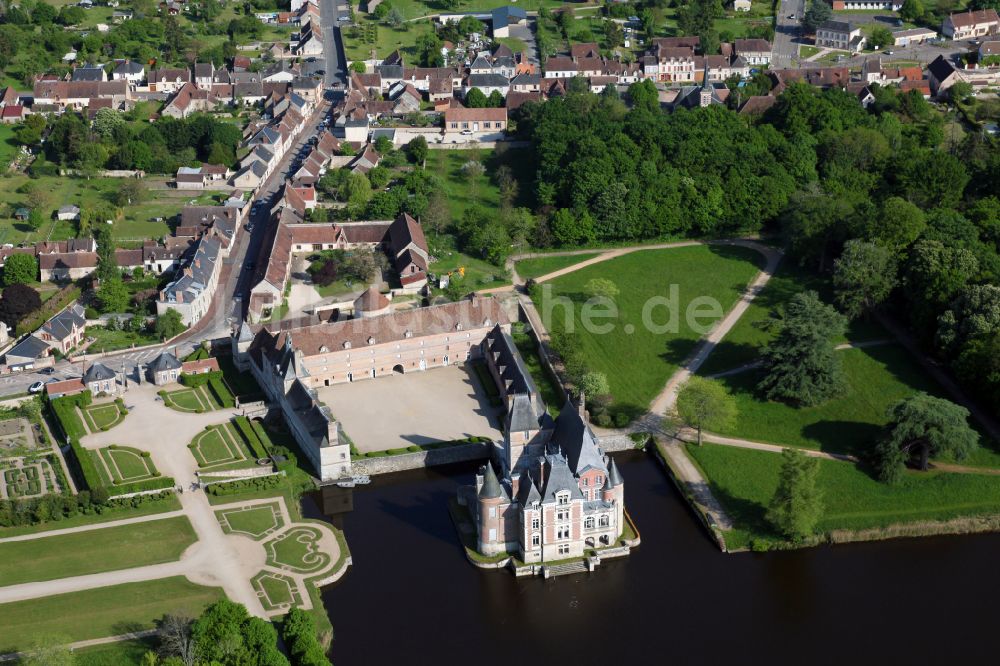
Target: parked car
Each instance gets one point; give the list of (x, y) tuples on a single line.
[(467, 132), (36, 387), (48, 371)]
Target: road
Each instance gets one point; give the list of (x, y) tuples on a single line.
[(235, 281), (785, 48)]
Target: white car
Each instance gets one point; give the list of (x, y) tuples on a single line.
[(467, 132), (36, 387)]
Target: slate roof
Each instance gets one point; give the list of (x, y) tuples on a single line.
[(488, 81), (941, 68), (491, 486), (165, 361), (61, 326), (30, 347), (129, 67), (88, 73), (98, 372), (574, 438)]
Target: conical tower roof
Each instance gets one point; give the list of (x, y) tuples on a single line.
[(491, 486), (614, 478)]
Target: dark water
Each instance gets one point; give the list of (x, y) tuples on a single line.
[(411, 598)]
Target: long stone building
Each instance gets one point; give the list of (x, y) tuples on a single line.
[(291, 361)]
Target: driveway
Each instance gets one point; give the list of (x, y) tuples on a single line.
[(436, 405)]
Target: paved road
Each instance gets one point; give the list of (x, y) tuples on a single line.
[(785, 48)]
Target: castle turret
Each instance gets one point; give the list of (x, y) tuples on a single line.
[(614, 491), (491, 539)]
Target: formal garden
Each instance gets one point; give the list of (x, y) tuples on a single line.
[(256, 521), (232, 445), (297, 550), (276, 592), (104, 416), (123, 464)]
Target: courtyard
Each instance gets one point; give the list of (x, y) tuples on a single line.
[(437, 405)]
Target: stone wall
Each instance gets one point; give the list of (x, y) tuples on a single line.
[(616, 443), (405, 461)]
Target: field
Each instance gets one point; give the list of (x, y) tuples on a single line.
[(387, 40), (744, 342), (105, 340), (745, 480), (126, 465), (221, 446), (88, 552), (104, 416), (255, 522), (539, 266), (104, 611), (137, 224), (637, 359)]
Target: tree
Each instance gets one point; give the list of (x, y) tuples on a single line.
[(176, 640), (299, 634), (29, 132), (48, 651), (593, 384), (912, 11), (437, 217), (17, 301), (819, 11), (168, 325), (703, 403), (923, 426), (395, 18), (476, 99), (900, 224), (107, 266), (508, 185), (113, 295), (383, 145), (800, 364), (797, 504), (881, 37), (417, 150), (473, 171), (601, 288), (975, 313), (863, 276), (20, 269), (131, 192)]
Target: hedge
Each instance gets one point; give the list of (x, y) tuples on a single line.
[(160, 483), (54, 305), (91, 477), (194, 381), (235, 487), (250, 437), (65, 413), (221, 393)]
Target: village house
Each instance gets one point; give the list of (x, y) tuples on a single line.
[(168, 80), (129, 70), (967, 25), (913, 36), (486, 120), (867, 5), (164, 369), (754, 51), (64, 331), (102, 380), (839, 35)]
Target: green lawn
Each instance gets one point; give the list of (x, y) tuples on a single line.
[(387, 40), (103, 417), (186, 400), (552, 393), (128, 465), (136, 225), (105, 340), (278, 592), (298, 549), (638, 363), (877, 377), (255, 521), (218, 445), (747, 338), (461, 193), (806, 51), (104, 611), (168, 503), (745, 480), (535, 268), (119, 653), (88, 552), (8, 147)]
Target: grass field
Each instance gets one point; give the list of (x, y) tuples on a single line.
[(748, 337), (103, 417), (137, 224), (120, 653), (8, 147), (745, 480), (877, 377), (127, 465), (636, 358), (104, 611), (148, 508), (552, 393), (221, 445), (88, 552), (255, 522), (105, 340), (537, 267)]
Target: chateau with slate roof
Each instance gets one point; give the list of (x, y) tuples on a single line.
[(558, 494)]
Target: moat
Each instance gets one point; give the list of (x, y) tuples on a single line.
[(413, 598)]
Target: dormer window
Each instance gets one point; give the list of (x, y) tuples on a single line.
[(487, 322), (408, 334), (371, 340), (458, 326), (347, 344), (562, 498), (323, 349)]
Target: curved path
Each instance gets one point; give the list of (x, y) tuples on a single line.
[(686, 472)]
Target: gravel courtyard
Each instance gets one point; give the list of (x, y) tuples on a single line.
[(419, 408)]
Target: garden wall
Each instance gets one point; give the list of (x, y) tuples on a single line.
[(417, 460)]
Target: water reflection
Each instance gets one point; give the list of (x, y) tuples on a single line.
[(411, 596)]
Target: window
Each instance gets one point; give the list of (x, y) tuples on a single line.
[(564, 549), (536, 539), (562, 533), (535, 523), (562, 498), (493, 512), (493, 534), (604, 521), (562, 515), (586, 481), (589, 523)]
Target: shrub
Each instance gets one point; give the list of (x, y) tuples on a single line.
[(250, 437), (245, 485), (194, 381), (221, 393), (91, 313), (140, 486)]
